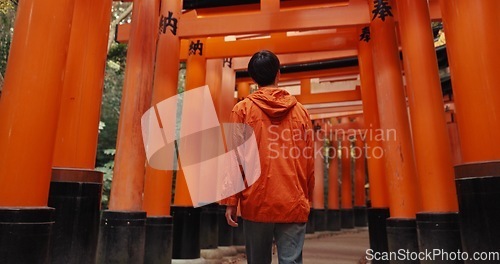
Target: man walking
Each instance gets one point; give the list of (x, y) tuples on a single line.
[(277, 205)]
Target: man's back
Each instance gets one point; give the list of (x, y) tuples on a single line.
[(284, 136)]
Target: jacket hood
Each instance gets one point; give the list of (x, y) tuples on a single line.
[(275, 102)]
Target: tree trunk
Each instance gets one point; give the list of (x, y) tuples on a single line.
[(114, 24)]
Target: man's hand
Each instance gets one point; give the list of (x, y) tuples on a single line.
[(231, 217)]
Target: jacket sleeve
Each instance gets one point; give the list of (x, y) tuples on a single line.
[(234, 118)]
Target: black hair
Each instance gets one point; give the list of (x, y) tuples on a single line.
[(263, 68)]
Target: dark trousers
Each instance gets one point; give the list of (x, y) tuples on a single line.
[(289, 239)]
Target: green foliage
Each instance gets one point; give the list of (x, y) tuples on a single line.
[(117, 54), (118, 9), (6, 6), (107, 169), (110, 109), (7, 16)]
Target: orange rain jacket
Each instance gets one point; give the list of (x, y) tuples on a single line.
[(283, 131)]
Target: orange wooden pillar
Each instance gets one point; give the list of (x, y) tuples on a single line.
[(224, 105), (214, 230), (128, 176), (318, 201), (195, 77), (333, 213), (73, 176), (400, 167), (378, 195), (346, 211), (29, 110), (473, 55), (214, 81), (158, 183), (471, 43), (428, 124), (359, 172), (333, 173), (359, 155), (456, 151), (125, 205), (157, 197), (243, 90), (375, 158), (187, 240), (76, 141), (229, 86), (226, 102)]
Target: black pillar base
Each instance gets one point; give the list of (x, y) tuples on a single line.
[(122, 237), (347, 218), (239, 233), (158, 248), (478, 189), (402, 235), (333, 220), (209, 226), (377, 229), (25, 234), (360, 216), (319, 219), (225, 230), (310, 223), (439, 231), (186, 237), (76, 196)]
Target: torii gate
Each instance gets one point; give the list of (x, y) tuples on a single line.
[(352, 7), (420, 192)]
